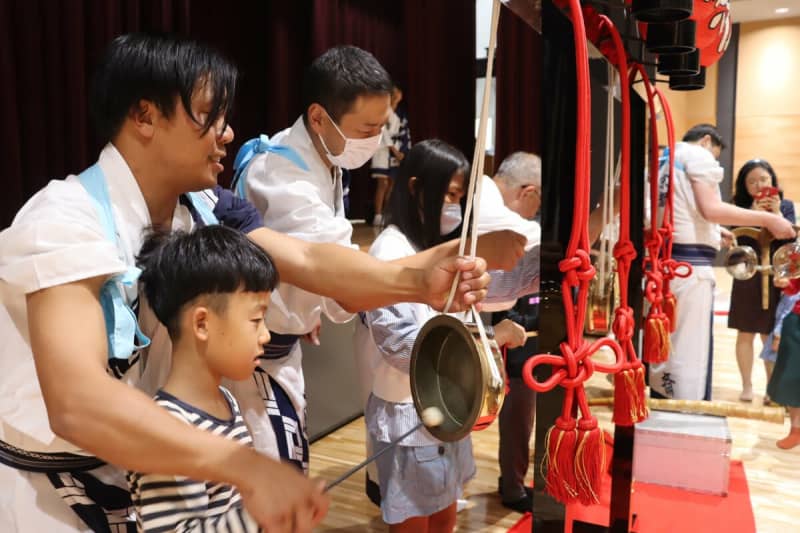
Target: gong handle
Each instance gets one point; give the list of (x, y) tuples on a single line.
[(368, 460)]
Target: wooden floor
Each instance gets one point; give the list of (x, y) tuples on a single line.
[(773, 475)]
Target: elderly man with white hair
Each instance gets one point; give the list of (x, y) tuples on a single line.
[(516, 191)]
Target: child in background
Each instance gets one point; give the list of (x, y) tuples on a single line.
[(784, 386), (769, 353), (211, 289), (421, 478), (395, 144)]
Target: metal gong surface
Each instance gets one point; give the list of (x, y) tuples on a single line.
[(446, 373), (786, 261), (741, 262)]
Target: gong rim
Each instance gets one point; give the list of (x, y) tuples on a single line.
[(750, 256), (781, 256), (459, 391)]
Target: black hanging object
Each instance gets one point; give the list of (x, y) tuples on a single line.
[(692, 82), (671, 37), (662, 10), (687, 64), (639, 53)]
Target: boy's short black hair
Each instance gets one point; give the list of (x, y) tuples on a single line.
[(696, 133), (339, 76), (158, 68), (212, 260)]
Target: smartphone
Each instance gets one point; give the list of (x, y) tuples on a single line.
[(767, 192)]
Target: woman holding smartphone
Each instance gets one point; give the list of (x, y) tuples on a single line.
[(756, 188)]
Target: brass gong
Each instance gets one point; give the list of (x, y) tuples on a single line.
[(452, 371), (741, 261)]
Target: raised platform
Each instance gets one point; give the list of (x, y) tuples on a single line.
[(668, 510)]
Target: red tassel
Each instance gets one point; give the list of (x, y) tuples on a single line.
[(590, 460), (560, 460), (656, 338), (630, 405), (670, 306)]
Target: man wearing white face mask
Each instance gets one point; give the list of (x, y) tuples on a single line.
[(295, 180)]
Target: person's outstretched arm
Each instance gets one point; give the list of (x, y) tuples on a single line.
[(360, 282), (121, 425), (712, 208)]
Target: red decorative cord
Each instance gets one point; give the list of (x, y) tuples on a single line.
[(657, 324), (670, 268), (575, 449), (630, 405)]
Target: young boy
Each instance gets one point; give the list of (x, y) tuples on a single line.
[(211, 289)]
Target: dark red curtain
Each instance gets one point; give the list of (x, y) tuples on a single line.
[(440, 52), (48, 49), (428, 47), (518, 68), (269, 43)]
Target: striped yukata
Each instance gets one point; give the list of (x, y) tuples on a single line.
[(176, 503)]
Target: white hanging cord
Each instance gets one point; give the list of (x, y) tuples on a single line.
[(608, 182), (470, 226)]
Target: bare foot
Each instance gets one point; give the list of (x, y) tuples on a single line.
[(790, 441), (746, 395)]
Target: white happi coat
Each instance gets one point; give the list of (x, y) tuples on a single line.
[(57, 238)]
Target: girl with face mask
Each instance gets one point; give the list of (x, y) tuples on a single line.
[(421, 478)]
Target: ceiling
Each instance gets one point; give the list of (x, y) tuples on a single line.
[(753, 10)]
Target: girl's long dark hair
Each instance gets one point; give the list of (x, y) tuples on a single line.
[(416, 209), (741, 197)]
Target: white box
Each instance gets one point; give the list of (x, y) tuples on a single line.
[(683, 450)]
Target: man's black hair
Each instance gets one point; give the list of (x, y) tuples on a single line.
[(696, 133), (417, 210), (212, 260), (160, 69), (339, 76)]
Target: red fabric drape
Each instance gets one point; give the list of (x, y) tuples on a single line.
[(518, 68), (48, 50)]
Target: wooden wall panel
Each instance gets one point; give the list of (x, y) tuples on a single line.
[(775, 138), (767, 105)]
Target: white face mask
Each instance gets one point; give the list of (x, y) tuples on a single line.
[(451, 218), (356, 151)]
